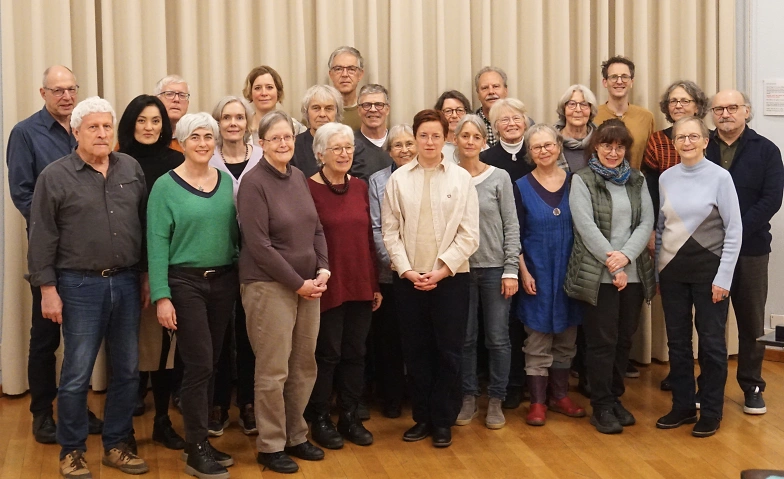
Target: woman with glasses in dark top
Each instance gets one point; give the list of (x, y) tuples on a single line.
[(454, 105)]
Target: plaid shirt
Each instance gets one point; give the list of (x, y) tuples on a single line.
[(491, 139), (660, 153)]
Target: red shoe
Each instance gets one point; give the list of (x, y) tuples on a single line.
[(537, 414), (567, 407)]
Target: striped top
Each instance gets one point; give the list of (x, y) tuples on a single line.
[(660, 154)]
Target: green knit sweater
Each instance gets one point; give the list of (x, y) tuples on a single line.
[(186, 227)]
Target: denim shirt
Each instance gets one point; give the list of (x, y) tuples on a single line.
[(376, 186)]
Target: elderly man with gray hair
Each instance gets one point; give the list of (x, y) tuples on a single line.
[(174, 92), (346, 68), (490, 84), (370, 155), (85, 247)]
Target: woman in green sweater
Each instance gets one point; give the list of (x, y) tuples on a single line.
[(192, 247)]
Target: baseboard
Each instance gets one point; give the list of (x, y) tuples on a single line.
[(774, 354)]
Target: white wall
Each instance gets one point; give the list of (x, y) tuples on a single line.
[(765, 41)]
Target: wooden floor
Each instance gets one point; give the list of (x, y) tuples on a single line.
[(564, 448)]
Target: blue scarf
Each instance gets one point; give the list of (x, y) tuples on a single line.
[(618, 176)]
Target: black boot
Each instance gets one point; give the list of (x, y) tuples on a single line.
[(164, 433), (201, 463), (514, 396), (324, 433), (350, 426)]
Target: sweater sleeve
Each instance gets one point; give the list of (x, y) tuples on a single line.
[(729, 209), (769, 201), (160, 222), (511, 226), (638, 240), (375, 222), (582, 215), (391, 228)]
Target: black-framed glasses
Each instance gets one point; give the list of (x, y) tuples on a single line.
[(59, 92), (731, 109), (682, 101), (351, 70), (457, 111), (370, 104), (572, 105), (169, 95), (624, 78)]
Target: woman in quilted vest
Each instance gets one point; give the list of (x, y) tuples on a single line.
[(610, 269)]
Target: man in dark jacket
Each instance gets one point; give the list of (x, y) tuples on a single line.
[(369, 139), (757, 171)]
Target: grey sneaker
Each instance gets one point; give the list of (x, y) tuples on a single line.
[(495, 415), (468, 412)]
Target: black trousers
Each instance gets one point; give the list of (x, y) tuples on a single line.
[(710, 319), (41, 362), (517, 337), (608, 328), (749, 292), (385, 331), (340, 357), (204, 308), (236, 358), (432, 330)]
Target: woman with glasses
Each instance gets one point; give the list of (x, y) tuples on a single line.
[(454, 106), (321, 104), (509, 119), (283, 273), (549, 315), (385, 329), (576, 111), (346, 307), (609, 270), (430, 225), (264, 90), (698, 239), (493, 274)]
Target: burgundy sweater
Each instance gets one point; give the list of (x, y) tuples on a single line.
[(352, 253), (282, 238)]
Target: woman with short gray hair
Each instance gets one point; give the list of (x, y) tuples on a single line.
[(192, 241), (321, 104), (509, 119), (576, 111)]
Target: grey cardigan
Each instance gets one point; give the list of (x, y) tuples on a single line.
[(499, 228)]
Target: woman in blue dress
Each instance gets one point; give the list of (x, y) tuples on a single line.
[(549, 315)]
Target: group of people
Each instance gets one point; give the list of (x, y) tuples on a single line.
[(298, 256)]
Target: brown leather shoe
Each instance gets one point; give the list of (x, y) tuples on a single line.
[(120, 457), (73, 466)]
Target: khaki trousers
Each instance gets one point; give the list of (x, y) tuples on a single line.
[(283, 329), (546, 350)]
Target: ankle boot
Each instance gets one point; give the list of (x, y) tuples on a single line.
[(323, 432), (559, 400), (351, 428), (164, 433), (201, 464), (537, 388)]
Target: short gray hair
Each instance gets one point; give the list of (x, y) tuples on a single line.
[(372, 88), (511, 103), (168, 80), (347, 49), (94, 104), (489, 69), (543, 128), (193, 121), (323, 93), (587, 94), (397, 130), (691, 119), (271, 119), (218, 111), (325, 133), (474, 120), (746, 103)]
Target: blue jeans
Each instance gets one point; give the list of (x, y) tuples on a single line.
[(486, 282), (95, 308)]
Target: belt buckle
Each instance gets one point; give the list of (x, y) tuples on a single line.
[(208, 273), (107, 272)]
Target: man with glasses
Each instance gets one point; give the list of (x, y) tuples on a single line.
[(754, 163), (34, 143), (174, 92), (370, 156), (346, 68), (618, 79)]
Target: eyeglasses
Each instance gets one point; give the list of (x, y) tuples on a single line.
[(351, 70), (169, 95), (731, 109), (368, 105), (549, 146), (279, 139), (59, 92), (682, 101), (340, 149), (694, 138), (409, 145), (624, 78), (450, 111), (607, 148), (517, 119), (572, 105)]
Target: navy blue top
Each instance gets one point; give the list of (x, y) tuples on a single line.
[(34, 143), (758, 175)]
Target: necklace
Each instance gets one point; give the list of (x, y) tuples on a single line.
[(480, 172), (556, 210), (244, 159), (337, 191)]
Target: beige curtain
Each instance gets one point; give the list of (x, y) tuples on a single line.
[(417, 48)]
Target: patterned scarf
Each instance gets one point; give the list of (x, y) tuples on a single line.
[(618, 176)]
